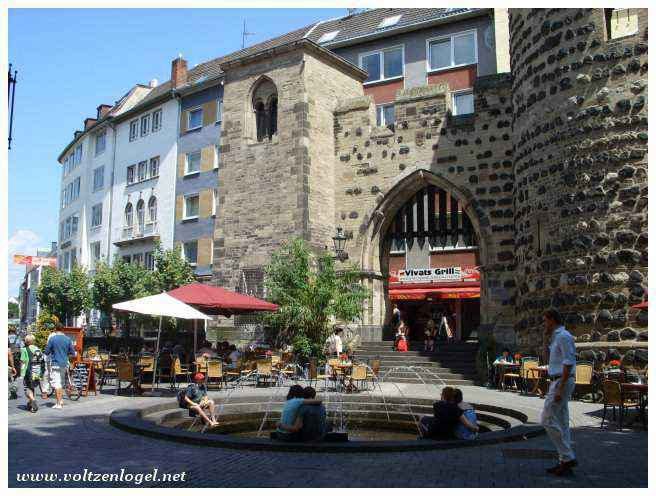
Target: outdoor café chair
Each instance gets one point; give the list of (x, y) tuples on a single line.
[(108, 372), (165, 368), (373, 371), (614, 397), (214, 372), (584, 376), (265, 372), (201, 364), (179, 369), (316, 376), (526, 372), (358, 374), (125, 373)]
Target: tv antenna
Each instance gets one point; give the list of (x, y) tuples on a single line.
[(244, 35)]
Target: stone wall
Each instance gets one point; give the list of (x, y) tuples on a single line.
[(580, 164)]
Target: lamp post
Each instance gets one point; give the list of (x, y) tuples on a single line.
[(339, 243), (10, 97)]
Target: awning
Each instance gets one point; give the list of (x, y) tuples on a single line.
[(449, 293), (214, 300)]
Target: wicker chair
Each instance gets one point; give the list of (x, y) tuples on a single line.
[(614, 397), (316, 376), (584, 376), (265, 372), (526, 373), (215, 372), (165, 368), (372, 375), (125, 373), (358, 374), (179, 369)]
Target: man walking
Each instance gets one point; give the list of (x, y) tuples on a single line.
[(58, 348), (562, 372)]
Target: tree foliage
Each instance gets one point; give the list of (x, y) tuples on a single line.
[(12, 310), (64, 294), (311, 294), (45, 324), (171, 270)]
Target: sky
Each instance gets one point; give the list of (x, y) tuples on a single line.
[(69, 61)]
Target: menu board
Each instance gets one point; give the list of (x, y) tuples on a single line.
[(83, 378)]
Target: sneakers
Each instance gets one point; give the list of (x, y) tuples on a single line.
[(33, 407), (57, 407), (563, 468)]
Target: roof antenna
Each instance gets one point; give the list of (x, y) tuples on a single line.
[(244, 34)]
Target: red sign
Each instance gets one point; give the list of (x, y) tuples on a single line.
[(30, 260)]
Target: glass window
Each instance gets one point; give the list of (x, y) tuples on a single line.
[(193, 163), (95, 251), (67, 261), (128, 215), (215, 200), (219, 110), (463, 103), (127, 258), (440, 54), (157, 121), (191, 207), (217, 156), (393, 63), (137, 259), (154, 167), (131, 174), (96, 215), (384, 115), (78, 154), (190, 251), (458, 49), (141, 213), (98, 178), (76, 189), (134, 129), (464, 49), (74, 222), (195, 118), (145, 125), (143, 170), (149, 260), (152, 209), (371, 64), (100, 142)]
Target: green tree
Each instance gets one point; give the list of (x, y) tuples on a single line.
[(311, 294), (13, 310), (171, 270), (45, 324), (64, 294)]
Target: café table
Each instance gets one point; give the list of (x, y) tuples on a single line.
[(503, 368), (340, 377), (538, 374), (641, 389)]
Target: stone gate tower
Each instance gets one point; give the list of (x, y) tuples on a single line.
[(580, 164)]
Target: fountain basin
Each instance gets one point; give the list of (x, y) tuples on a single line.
[(365, 418)]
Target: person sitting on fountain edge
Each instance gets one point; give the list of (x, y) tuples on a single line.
[(295, 398), (195, 399), (446, 415), (310, 423), (467, 427)]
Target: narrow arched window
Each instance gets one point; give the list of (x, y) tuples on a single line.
[(260, 120), (152, 209), (128, 215), (141, 213), (265, 109), (273, 116)]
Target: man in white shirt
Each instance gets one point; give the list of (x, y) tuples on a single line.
[(562, 372), (333, 344)]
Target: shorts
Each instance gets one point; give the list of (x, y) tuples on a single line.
[(29, 384), (57, 376)]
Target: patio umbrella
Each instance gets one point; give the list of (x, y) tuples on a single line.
[(161, 305), (214, 300), (641, 306)]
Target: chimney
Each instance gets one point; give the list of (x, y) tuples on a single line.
[(178, 72), (76, 134), (153, 83), (88, 122), (103, 109)]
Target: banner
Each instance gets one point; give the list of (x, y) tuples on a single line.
[(30, 260), (439, 274)]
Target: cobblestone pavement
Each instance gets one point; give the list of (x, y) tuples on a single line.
[(79, 437)]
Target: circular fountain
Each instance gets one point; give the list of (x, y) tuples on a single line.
[(373, 422)]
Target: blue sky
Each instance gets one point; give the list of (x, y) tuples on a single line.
[(71, 60)]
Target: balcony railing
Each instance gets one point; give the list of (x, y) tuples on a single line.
[(137, 232)]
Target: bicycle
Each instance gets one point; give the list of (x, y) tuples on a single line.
[(70, 388)]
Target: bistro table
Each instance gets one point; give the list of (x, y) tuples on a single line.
[(339, 372), (641, 389), (538, 374), (503, 368)]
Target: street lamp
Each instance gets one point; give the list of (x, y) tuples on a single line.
[(339, 243)]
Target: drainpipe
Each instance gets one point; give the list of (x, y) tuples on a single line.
[(111, 194), (175, 94)]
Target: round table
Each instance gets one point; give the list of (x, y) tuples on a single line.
[(641, 389)]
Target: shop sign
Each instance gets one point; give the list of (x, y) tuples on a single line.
[(30, 260), (436, 274)]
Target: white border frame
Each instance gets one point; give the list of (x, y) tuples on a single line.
[(184, 206), (184, 255), (189, 111), (382, 64), (461, 92), (450, 37), (186, 169)]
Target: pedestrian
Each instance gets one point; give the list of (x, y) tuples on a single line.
[(333, 345), (59, 347), (396, 317), (429, 335), (562, 372), (32, 368)]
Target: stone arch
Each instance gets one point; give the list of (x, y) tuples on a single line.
[(373, 256), (263, 100)]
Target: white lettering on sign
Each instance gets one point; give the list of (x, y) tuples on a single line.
[(431, 275)]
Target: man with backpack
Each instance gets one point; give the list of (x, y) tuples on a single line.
[(32, 367)]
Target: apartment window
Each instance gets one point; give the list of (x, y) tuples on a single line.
[(67, 228), (149, 260), (96, 215), (384, 115), (142, 171), (78, 154), (191, 204), (194, 119), (134, 129), (190, 252), (383, 65), (127, 258), (452, 51), (61, 231), (141, 213), (145, 125), (100, 142), (98, 178), (128, 215), (193, 163), (219, 110), (131, 173), (73, 258), (94, 249), (217, 156), (152, 209), (137, 259), (215, 200), (67, 261), (75, 193), (463, 103), (157, 121), (154, 167), (74, 224)]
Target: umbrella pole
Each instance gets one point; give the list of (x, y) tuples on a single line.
[(195, 338), (159, 331)]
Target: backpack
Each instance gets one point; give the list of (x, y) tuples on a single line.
[(181, 398), (36, 364)]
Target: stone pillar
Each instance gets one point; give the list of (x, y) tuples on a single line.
[(580, 164)]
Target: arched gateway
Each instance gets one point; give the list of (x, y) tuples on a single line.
[(422, 248)]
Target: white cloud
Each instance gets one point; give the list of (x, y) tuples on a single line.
[(23, 242)]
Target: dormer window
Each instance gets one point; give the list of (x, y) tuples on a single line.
[(388, 22), (326, 37)]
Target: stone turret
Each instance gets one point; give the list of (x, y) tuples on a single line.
[(580, 165)]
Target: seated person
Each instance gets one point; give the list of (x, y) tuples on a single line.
[(295, 398), (206, 351), (233, 357), (310, 421), (505, 357), (195, 399), (446, 415), (467, 427)]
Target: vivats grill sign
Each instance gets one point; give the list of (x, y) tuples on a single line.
[(439, 274)]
